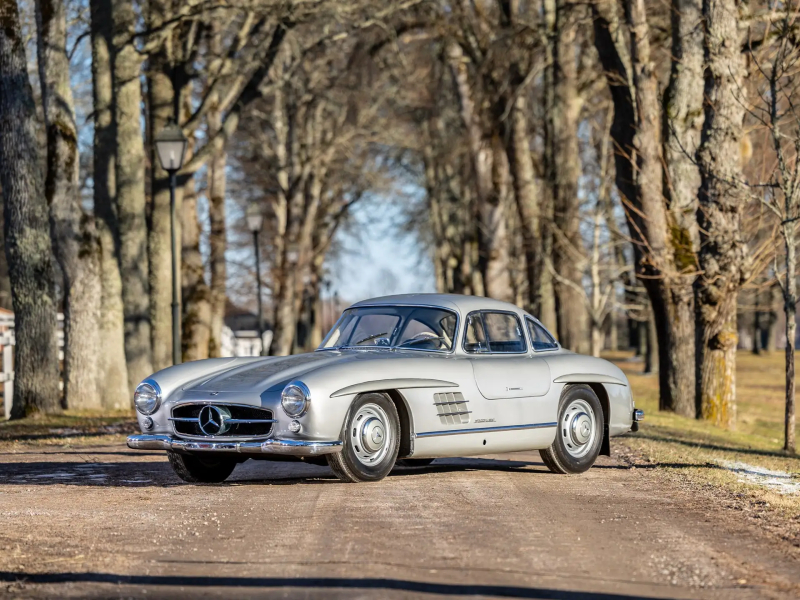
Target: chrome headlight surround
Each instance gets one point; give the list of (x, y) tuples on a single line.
[(295, 399), (147, 397)]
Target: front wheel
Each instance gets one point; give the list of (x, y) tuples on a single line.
[(580, 432), (196, 469), (370, 440)]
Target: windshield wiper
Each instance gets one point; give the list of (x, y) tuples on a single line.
[(371, 337), (411, 342)]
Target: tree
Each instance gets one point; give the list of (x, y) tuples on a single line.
[(112, 364), (27, 233), (73, 232), (722, 253)]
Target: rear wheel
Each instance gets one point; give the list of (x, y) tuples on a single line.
[(580, 432), (206, 469), (370, 440)]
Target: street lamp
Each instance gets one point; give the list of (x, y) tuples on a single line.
[(255, 219), (171, 149)]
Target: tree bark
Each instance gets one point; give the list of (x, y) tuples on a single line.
[(790, 309), (492, 241), (113, 380), (161, 109), (130, 194), (682, 123), (722, 251), (217, 238), (73, 232), (636, 131), (27, 233), (563, 173)]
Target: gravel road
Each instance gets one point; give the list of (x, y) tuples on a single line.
[(106, 522)]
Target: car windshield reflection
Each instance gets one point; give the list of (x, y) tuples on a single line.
[(397, 327)]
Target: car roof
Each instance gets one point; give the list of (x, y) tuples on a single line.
[(457, 302)]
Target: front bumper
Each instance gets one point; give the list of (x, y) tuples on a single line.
[(269, 446)]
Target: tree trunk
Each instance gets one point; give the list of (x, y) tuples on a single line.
[(526, 198), (769, 340), (636, 131), (73, 233), (790, 309), (113, 378), (217, 237), (563, 173), (27, 233), (722, 251), (492, 241), (130, 194), (682, 123), (651, 354), (161, 109), (757, 329)]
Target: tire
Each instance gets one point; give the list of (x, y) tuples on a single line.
[(370, 440), (580, 432), (415, 462), (194, 469)]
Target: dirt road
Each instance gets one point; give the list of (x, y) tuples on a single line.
[(104, 521)]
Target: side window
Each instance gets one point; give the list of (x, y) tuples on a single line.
[(495, 333), (540, 338), (475, 340), (504, 332)]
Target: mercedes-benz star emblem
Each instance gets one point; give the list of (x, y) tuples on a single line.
[(212, 420)]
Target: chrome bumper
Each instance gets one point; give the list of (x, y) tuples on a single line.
[(270, 446)]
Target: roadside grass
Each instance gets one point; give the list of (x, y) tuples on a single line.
[(726, 461), (72, 427)]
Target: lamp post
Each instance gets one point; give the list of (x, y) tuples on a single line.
[(171, 149), (255, 219)]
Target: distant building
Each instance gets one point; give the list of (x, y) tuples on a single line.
[(240, 333)]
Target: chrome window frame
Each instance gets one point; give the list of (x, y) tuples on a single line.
[(489, 353), (528, 333), (406, 305)]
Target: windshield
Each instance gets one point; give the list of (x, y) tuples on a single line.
[(412, 327)]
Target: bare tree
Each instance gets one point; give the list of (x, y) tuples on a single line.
[(73, 232), (722, 253), (27, 232)]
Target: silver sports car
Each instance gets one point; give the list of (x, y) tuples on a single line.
[(403, 379)]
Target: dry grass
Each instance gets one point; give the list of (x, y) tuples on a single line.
[(71, 427), (695, 452)]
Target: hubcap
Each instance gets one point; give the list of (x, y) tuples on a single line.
[(578, 428), (370, 434)]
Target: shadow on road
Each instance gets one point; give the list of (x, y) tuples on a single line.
[(312, 583)]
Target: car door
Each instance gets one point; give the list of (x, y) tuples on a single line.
[(507, 375)]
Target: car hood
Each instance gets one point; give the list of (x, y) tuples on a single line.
[(272, 374)]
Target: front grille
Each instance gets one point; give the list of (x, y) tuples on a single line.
[(234, 420), (451, 408)]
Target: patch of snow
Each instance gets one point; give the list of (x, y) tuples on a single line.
[(780, 481)]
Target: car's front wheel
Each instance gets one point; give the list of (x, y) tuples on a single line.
[(196, 469), (370, 440), (580, 432)]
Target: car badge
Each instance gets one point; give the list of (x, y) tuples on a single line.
[(212, 420)]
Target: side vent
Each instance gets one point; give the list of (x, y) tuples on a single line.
[(452, 408)]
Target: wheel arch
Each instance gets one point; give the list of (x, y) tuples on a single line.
[(602, 395), (403, 413)]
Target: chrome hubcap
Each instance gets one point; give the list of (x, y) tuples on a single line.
[(578, 428), (370, 435)]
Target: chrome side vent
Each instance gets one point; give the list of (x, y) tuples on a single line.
[(451, 408)]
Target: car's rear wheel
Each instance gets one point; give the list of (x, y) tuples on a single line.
[(580, 432), (205, 469), (370, 440)]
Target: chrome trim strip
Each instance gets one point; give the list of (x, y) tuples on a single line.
[(235, 421), (455, 414), (448, 403), (589, 378), (184, 419), (268, 446), (392, 384), (486, 429)]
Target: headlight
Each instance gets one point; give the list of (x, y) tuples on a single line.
[(147, 397), (295, 398)]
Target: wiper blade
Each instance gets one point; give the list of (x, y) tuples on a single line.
[(371, 337)]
